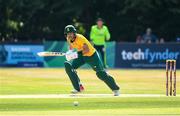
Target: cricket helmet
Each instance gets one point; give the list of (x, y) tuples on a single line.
[(69, 29)]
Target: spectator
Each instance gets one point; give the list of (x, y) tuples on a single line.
[(161, 41), (148, 37), (99, 35), (139, 39), (178, 39)]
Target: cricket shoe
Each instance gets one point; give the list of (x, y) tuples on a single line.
[(76, 91), (116, 92), (81, 88)]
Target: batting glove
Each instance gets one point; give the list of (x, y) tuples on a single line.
[(70, 55)]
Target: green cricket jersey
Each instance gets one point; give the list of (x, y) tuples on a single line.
[(99, 36)]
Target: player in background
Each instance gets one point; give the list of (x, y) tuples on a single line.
[(99, 35), (86, 54)]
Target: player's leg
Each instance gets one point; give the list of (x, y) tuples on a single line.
[(70, 70), (97, 48), (101, 50), (105, 58), (95, 62)]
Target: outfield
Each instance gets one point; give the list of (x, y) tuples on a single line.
[(36, 91)]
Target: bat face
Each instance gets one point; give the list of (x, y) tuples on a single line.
[(44, 54)]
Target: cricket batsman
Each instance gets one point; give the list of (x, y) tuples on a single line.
[(86, 53)]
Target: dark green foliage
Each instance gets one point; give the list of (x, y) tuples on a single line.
[(126, 18)]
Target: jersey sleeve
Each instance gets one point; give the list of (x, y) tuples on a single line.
[(83, 40), (107, 34), (92, 33)]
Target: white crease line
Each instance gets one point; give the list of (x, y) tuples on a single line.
[(79, 96)]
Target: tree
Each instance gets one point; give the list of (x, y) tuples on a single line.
[(126, 19)]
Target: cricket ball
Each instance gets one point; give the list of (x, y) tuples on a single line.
[(75, 103)]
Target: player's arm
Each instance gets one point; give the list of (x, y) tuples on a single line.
[(70, 47), (71, 54), (85, 49), (107, 34), (92, 34)]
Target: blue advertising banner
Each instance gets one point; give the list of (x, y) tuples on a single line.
[(132, 55), (21, 55)]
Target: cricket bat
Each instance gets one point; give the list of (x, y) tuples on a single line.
[(44, 54)]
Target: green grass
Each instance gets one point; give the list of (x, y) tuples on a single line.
[(55, 81), (134, 105)]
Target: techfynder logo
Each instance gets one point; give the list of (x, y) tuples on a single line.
[(149, 55)]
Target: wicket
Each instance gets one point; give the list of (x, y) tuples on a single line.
[(170, 68)]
